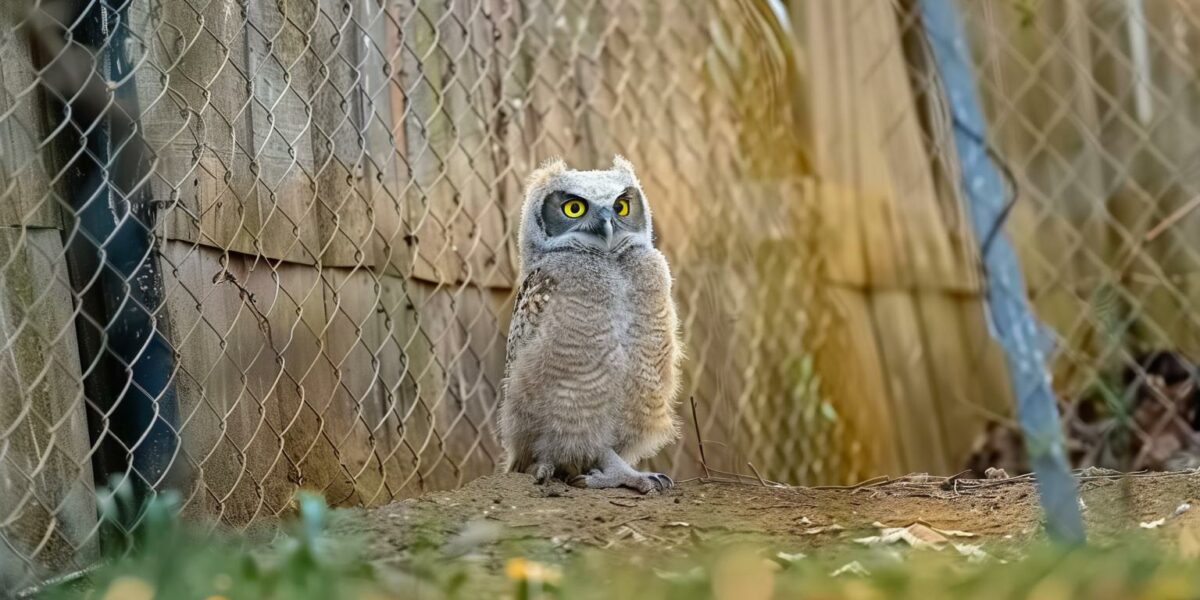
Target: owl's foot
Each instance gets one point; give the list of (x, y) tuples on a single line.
[(615, 472), (542, 472), (637, 480)]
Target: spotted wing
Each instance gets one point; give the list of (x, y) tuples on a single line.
[(532, 299)]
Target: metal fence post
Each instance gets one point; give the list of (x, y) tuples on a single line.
[(1011, 321), (127, 360)]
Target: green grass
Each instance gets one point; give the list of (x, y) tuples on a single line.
[(153, 554), (158, 556)]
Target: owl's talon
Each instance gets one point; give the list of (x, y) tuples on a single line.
[(664, 482), (542, 472)]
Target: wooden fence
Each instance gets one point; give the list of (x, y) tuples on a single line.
[(335, 188)]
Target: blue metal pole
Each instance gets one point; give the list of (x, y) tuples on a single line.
[(1010, 318), (129, 362)]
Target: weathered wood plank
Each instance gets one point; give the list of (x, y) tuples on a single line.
[(967, 368), (284, 72), (359, 424), (553, 103), (343, 205), (387, 177), (47, 498), (466, 330), (457, 226), (25, 193), (227, 369), (407, 371), (442, 364), (913, 382), (870, 143), (196, 120), (852, 372), (298, 384)]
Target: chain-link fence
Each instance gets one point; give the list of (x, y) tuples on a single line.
[(1093, 107), (254, 247)]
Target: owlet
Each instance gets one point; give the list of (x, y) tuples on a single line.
[(593, 351)]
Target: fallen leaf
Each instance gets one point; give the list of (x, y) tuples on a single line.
[(953, 532), (973, 552), (694, 574), (956, 533), (628, 532), (925, 534), (1152, 524), (790, 558), (823, 529), (915, 535), (852, 568), (473, 535)]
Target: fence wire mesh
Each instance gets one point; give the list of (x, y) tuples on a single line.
[(253, 247), (1093, 107)]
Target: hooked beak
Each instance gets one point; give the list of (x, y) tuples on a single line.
[(606, 215)]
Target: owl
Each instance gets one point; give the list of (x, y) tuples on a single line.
[(593, 352)]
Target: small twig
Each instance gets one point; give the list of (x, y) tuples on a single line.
[(882, 479), (737, 476), (36, 591), (725, 480), (952, 482), (1172, 219), (757, 474), (628, 521), (699, 439)]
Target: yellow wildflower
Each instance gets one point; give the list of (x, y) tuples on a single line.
[(520, 569), (129, 588)]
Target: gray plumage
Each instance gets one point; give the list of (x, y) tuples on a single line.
[(593, 353)]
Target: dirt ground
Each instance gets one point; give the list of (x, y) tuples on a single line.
[(507, 515)]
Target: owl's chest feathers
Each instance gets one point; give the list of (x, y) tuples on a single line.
[(601, 313), (593, 308)]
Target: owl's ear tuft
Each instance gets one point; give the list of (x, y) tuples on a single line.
[(621, 163), (545, 172)]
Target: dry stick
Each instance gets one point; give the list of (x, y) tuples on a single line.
[(734, 479), (699, 438), (952, 482), (628, 521), (870, 482), (757, 474), (1172, 219), (737, 476)]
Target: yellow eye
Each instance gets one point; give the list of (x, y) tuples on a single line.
[(574, 208), (622, 207)]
